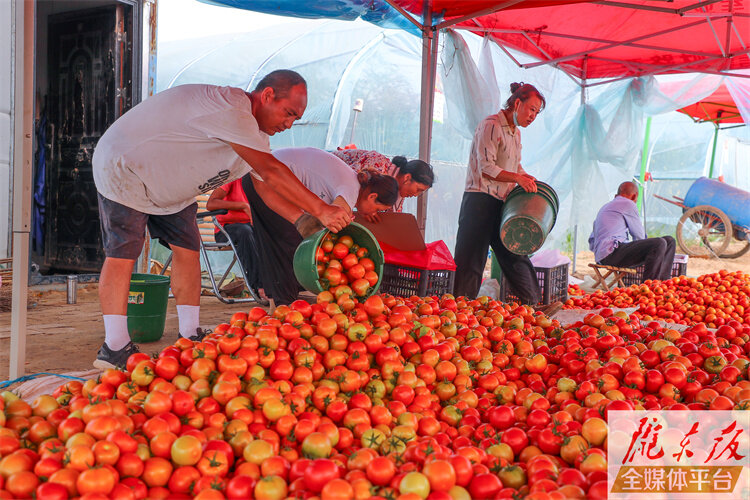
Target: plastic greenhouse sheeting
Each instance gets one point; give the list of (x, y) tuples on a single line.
[(382, 67), (583, 151)]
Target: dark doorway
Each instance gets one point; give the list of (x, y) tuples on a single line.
[(90, 86)]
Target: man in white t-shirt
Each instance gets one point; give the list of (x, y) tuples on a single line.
[(155, 159)]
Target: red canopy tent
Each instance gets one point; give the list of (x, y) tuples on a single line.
[(613, 39), (718, 108)]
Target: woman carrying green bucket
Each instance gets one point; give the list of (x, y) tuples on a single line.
[(494, 171)]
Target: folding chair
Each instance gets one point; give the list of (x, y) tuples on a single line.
[(208, 244), (618, 273)]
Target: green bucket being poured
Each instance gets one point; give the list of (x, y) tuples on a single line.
[(306, 267), (528, 218)]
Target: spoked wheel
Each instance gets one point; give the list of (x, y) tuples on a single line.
[(704, 231), (737, 247)]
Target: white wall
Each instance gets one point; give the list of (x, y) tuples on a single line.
[(6, 37)]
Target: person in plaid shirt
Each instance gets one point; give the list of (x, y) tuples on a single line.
[(414, 177)]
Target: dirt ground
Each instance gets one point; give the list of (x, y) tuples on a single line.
[(695, 267), (65, 337)]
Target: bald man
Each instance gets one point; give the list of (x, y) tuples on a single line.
[(619, 238)]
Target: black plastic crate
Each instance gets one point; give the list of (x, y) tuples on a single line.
[(553, 282), (406, 281), (678, 269)]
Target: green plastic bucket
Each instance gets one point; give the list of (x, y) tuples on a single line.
[(147, 307), (306, 268), (528, 218)]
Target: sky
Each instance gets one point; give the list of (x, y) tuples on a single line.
[(182, 19)]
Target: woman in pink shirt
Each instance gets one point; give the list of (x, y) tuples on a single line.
[(494, 170)]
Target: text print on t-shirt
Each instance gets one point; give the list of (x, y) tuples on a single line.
[(214, 182)]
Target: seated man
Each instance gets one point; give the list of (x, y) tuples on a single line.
[(616, 223), (238, 224)]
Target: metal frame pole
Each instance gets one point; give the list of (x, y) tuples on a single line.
[(575, 228), (644, 162), (713, 151), (23, 133), (429, 68)]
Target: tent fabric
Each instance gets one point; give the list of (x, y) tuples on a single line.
[(381, 12), (739, 91), (721, 106), (587, 40), (604, 41), (378, 12), (472, 87), (716, 108)]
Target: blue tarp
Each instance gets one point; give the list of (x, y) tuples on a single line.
[(377, 12)]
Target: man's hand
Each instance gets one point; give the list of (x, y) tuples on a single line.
[(527, 182), (246, 210), (334, 218)]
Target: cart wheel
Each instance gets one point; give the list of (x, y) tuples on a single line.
[(736, 249), (704, 231)]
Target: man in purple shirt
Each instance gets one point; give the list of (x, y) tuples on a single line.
[(616, 223)]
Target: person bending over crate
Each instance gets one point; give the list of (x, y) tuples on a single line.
[(619, 238), (414, 176), (280, 223), (155, 159)]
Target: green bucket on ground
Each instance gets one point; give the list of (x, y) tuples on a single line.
[(147, 307), (528, 218), (306, 268)]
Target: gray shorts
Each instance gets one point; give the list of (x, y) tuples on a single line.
[(124, 229)]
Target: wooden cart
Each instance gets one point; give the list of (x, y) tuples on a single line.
[(706, 231)]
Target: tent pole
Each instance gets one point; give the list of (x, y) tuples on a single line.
[(713, 152), (575, 228), (429, 68), (23, 123), (644, 161)]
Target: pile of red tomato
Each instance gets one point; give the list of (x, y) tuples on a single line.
[(419, 398), (714, 299), (344, 267)]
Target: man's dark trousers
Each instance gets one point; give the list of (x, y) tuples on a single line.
[(656, 254)]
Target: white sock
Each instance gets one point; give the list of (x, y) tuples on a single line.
[(188, 319), (116, 334)]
